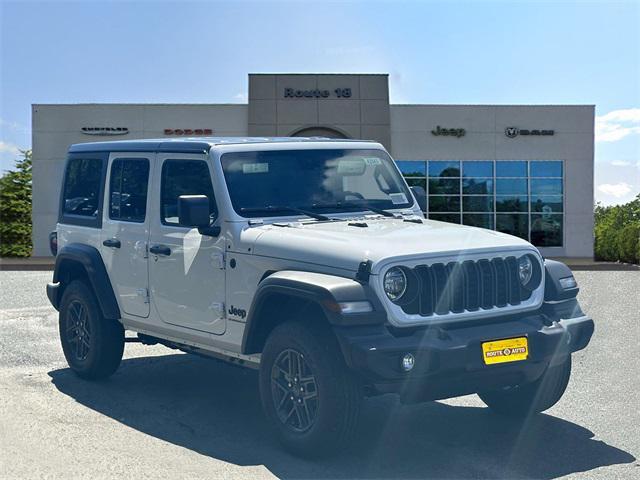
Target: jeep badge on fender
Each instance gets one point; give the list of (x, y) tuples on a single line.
[(347, 291)]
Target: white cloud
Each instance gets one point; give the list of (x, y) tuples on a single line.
[(241, 97), (9, 148), (621, 163), (617, 190), (618, 124)]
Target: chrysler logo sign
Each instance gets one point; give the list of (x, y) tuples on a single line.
[(105, 130), (513, 132)]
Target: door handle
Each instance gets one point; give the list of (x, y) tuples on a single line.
[(112, 242), (160, 250)]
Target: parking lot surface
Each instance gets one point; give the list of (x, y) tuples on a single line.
[(170, 415)]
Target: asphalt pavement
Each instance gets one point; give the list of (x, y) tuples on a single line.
[(171, 415)]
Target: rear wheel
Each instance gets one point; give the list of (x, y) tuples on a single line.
[(92, 345), (531, 398), (307, 391)]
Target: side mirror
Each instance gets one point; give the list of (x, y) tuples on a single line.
[(193, 212)]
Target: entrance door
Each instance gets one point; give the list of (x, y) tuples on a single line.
[(125, 230), (186, 269)]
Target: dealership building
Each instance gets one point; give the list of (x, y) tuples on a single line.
[(522, 169)]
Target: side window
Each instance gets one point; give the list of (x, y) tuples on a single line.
[(81, 193), (128, 189), (184, 177)]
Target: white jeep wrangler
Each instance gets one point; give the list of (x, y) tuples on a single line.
[(310, 260)]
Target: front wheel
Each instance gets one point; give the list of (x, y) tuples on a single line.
[(92, 344), (531, 398), (308, 394)]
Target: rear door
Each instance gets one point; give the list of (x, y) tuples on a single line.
[(186, 269), (125, 229)]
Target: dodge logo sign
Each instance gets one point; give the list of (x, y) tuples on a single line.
[(513, 132), (188, 131)]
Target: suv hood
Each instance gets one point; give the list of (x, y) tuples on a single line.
[(344, 245)]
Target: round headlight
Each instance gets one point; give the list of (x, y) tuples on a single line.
[(395, 283), (525, 270)]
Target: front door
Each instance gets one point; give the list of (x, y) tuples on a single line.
[(186, 269), (125, 230)]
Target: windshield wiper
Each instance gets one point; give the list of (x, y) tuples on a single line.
[(285, 208), (362, 206)]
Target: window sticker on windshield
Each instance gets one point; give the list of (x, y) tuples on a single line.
[(398, 198), (351, 166), (255, 168), (373, 161)]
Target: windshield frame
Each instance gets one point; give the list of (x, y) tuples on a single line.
[(351, 207)]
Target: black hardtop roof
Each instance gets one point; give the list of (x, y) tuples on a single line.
[(191, 144)]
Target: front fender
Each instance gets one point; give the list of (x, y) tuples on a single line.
[(326, 291)]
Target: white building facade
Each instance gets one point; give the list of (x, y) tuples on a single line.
[(522, 169)]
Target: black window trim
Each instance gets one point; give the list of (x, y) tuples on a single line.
[(80, 220), (178, 159), (124, 159)]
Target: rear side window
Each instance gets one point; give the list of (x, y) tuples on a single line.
[(184, 177), (82, 191), (128, 189)]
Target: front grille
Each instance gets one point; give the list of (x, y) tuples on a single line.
[(455, 287)]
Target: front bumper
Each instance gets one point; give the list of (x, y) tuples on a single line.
[(449, 361)]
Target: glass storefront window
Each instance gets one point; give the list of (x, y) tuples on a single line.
[(514, 224), (444, 169), (522, 198), (482, 220), (511, 186), (477, 169), (445, 217), (511, 169), (410, 168), (546, 230), (444, 186), (512, 203), (442, 203), (546, 168), (479, 203), (477, 186), (546, 186)]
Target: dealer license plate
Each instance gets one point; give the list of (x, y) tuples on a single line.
[(503, 351)]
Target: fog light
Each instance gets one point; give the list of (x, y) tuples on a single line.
[(568, 282), (408, 362)]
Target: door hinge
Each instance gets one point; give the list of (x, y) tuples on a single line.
[(144, 293), (218, 260), (218, 308)]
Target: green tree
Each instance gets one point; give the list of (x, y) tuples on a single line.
[(15, 209), (617, 232)]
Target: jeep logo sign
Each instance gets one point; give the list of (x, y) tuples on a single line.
[(451, 132), (237, 312), (513, 132)]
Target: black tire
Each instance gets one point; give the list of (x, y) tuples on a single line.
[(531, 398), (92, 345), (331, 401)]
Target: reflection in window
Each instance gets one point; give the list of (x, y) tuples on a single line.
[(509, 186), (514, 224), (444, 169), (482, 220), (82, 187), (128, 189), (439, 203), (511, 169), (445, 217), (546, 169), (477, 169), (546, 230), (513, 196), (412, 168), (184, 177), (477, 186)]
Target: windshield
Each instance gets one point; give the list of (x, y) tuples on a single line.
[(270, 183)]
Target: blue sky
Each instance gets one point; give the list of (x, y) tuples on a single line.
[(448, 52)]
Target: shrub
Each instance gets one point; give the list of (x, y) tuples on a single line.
[(617, 232), (15, 209)]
